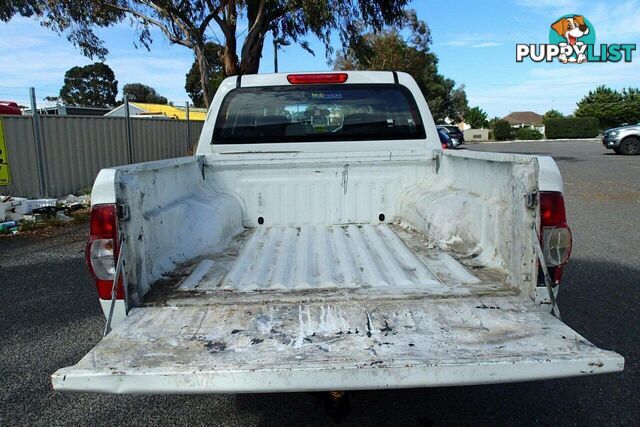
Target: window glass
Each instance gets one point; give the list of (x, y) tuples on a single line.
[(308, 113)]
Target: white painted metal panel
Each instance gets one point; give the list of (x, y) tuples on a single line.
[(342, 262), (307, 191), (378, 343), (550, 177), (331, 257)]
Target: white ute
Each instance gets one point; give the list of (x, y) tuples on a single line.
[(320, 239)]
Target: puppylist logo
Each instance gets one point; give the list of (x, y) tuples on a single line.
[(572, 40)]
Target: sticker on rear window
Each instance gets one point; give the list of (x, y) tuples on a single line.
[(326, 95)]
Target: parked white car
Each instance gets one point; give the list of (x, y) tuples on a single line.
[(291, 255)]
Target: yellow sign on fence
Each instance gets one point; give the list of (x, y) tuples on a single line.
[(5, 175)]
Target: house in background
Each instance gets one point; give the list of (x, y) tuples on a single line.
[(525, 119), (159, 111)]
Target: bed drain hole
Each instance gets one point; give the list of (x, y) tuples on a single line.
[(381, 217), (260, 220)]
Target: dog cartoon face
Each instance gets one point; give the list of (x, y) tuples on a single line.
[(571, 28)]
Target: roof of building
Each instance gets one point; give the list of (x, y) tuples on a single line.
[(72, 110), (155, 110), (171, 111), (523, 117)]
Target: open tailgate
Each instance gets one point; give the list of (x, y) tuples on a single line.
[(334, 346)]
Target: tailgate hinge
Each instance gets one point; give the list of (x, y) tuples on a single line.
[(123, 212), (531, 199)]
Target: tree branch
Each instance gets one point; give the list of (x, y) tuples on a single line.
[(223, 25), (213, 12), (278, 12), (259, 17), (176, 16), (149, 20)]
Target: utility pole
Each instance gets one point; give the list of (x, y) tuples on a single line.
[(277, 42), (37, 139), (186, 108), (127, 114)]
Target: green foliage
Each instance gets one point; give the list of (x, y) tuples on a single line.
[(502, 130), (189, 23), (492, 122), (459, 103), (631, 107), (611, 107), (9, 8), (582, 127), (193, 86), (528, 133), (93, 85), (476, 118), (388, 50), (137, 92), (53, 99), (552, 114)]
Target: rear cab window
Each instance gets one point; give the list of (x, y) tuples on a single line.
[(316, 113)]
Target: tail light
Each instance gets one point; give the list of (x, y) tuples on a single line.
[(102, 249), (444, 146), (555, 235), (305, 79)]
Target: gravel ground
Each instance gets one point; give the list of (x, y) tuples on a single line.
[(50, 318)]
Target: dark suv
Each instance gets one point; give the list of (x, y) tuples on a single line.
[(454, 132)]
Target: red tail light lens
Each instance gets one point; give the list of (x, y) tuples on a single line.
[(555, 235), (306, 79), (552, 212), (103, 221), (102, 249)]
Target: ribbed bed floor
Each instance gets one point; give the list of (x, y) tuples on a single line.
[(329, 257)]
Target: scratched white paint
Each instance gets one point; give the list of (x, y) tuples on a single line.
[(344, 345), (198, 274), (474, 206), (321, 257), (324, 266)]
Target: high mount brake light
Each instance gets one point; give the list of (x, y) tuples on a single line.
[(102, 249), (555, 235), (302, 79)]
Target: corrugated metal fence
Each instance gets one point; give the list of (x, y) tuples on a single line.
[(75, 148)]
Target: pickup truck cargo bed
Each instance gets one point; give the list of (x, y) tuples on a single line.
[(366, 311), (385, 259), (320, 239)]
